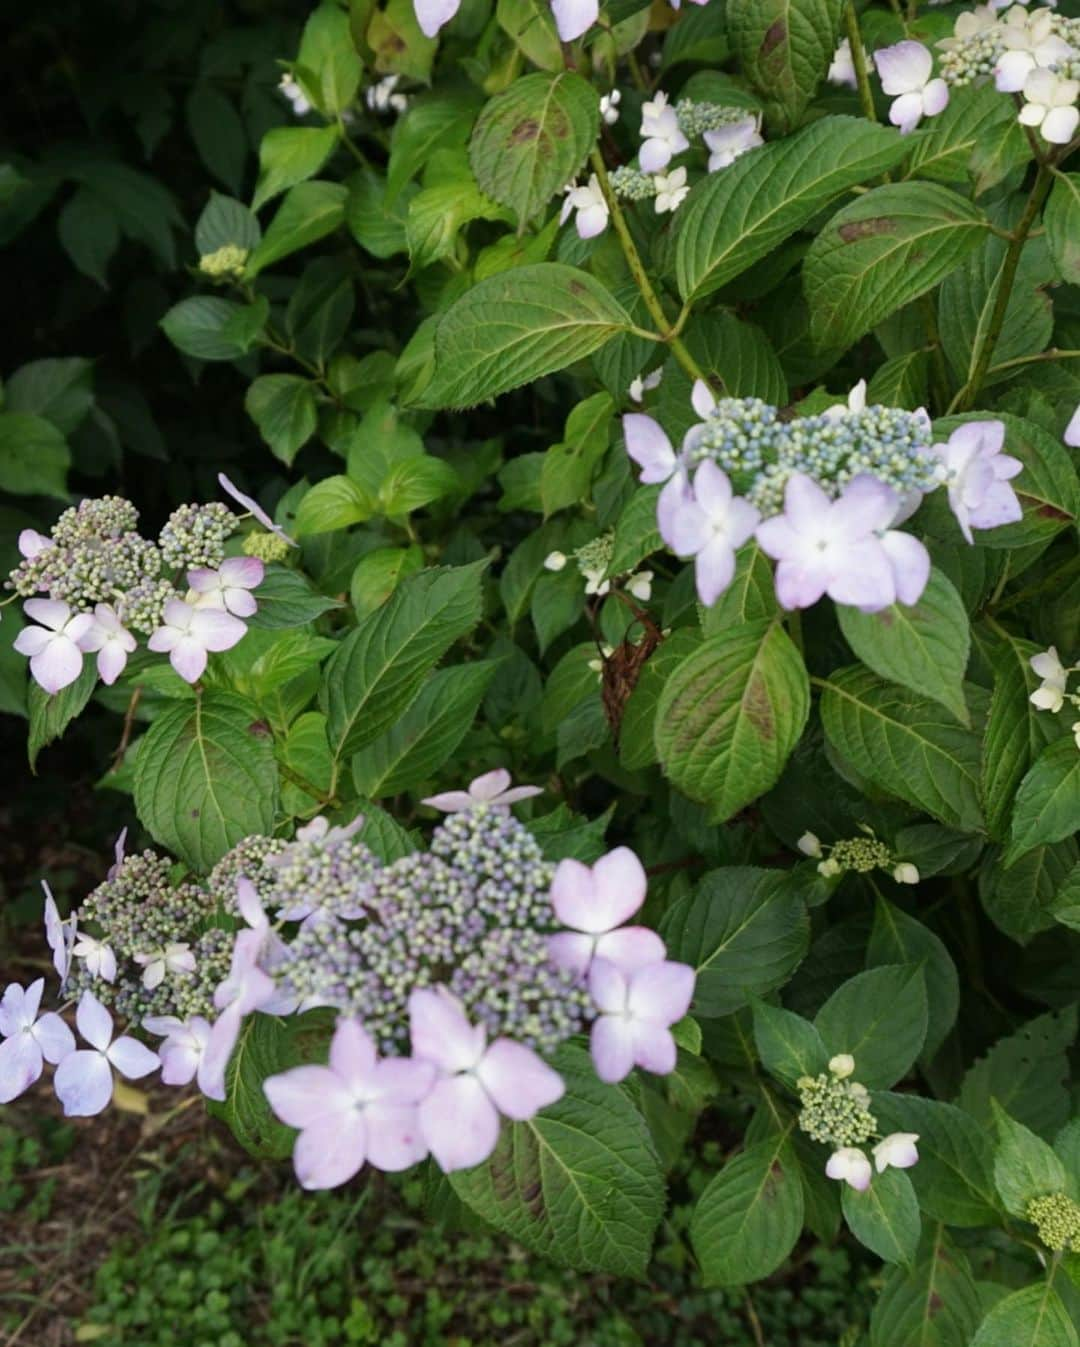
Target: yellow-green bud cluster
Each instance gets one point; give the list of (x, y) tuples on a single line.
[(834, 1111), (630, 184), (225, 262), (696, 118), (862, 854), (1056, 1218), (265, 546)]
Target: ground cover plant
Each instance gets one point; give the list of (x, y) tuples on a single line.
[(608, 657)]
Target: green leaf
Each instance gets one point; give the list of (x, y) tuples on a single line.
[(1026, 1073), (413, 749), (743, 930), (1015, 734), (569, 467), (531, 25), (61, 391), (287, 599), (328, 55), (904, 744), (34, 456), (283, 407), (934, 1305), (399, 45), (735, 217), (954, 1177), (580, 1182), (380, 667), (881, 251), (334, 503), (210, 328), (89, 233), (885, 1217), (1047, 807), (789, 1046), (1024, 899), (879, 1017), (225, 221), (379, 573), (747, 1220), (515, 327), (751, 596), (636, 532), (436, 216), (784, 48), (415, 483), (1025, 1167), (532, 139), (898, 938), (1061, 216), (218, 133), (924, 647), (376, 226), (1033, 1317), (205, 777), (902, 381), (730, 716), (289, 155), (50, 715), (735, 352), (976, 136), (434, 121), (308, 213)]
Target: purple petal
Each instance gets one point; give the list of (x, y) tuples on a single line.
[(84, 1084), (571, 950), (649, 447), (431, 15), (49, 613), (395, 1141), (517, 793), (866, 581), (714, 570), (219, 1048), (686, 526), (608, 987), (242, 572), (57, 665), (94, 1021), (612, 1045), (352, 1053), (798, 586), (230, 490), (441, 1033), (806, 506), (517, 1080), (910, 562), (903, 67), (661, 992), (306, 1095), (20, 1065), (630, 948), (188, 658), (111, 661), (702, 398), (216, 630), (330, 1152), (132, 1058), (489, 785), (867, 504), (459, 1123), (654, 155), (240, 603), (654, 1049), (599, 899), (32, 640), (450, 801), (574, 17), (54, 1038), (402, 1080), (1000, 505)]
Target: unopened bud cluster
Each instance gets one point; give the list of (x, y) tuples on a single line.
[(859, 854), (981, 38), (630, 184), (696, 118), (195, 535), (835, 1110), (1056, 1218), (225, 263)]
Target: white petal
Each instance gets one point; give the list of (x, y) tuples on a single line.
[(20, 1065), (94, 1022), (132, 1058), (53, 1037), (84, 1083), (459, 1123)]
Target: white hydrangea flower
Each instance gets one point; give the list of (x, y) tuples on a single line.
[(851, 1165), (906, 71), (644, 384), (842, 1065), (896, 1151), (728, 143), (1048, 666), (1050, 104), (671, 190), (842, 69), (1030, 43), (592, 210), (609, 107), (906, 873), (809, 844)]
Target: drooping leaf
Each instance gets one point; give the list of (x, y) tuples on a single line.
[(1047, 807)]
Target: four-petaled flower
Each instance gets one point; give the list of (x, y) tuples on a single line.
[(84, 1079), (661, 134), (230, 586), (55, 646), (727, 143), (594, 902), (183, 1047), (493, 788), (1048, 666), (459, 1117), (355, 1109), (636, 1011), (1030, 43), (1050, 104), (189, 633), (98, 957), (112, 642), (175, 959), (905, 70), (976, 474), (671, 190), (710, 524), (591, 208), (30, 1040), (896, 1151), (852, 1166)]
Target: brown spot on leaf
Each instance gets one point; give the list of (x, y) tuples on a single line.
[(774, 37), (259, 729), (1047, 511), (576, 288), (861, 229), (935, 1304), (195, 813), (758, 708), (526, 130)]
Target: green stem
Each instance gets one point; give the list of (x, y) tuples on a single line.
[(665, 329), (858, 60), (1054, 353), (350, 144), (1052, 582), (939, 370), (965, 399)]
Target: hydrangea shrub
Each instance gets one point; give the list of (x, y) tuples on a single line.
[(674, 412)]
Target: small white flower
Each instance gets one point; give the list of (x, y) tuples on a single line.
[(661, 135), (851, 1165), (827, 869), (55, 647), (99, 959), (896, 1151), (1030, 43), (842, 69), (609, 107), (856, 402), (84, 1079), (1072, 430), (112, 641), (645, 383), (809, 844), (671, 190), (1048, 666), (727, 143), (176, 959), (596, 583), (1050, 104), (842, 1065), (640, 586), (592, 210), (554, 561), (292, 91), (905, 873), (380, 97), (905, 70), (1076, 732)]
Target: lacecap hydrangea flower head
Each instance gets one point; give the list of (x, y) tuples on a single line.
[(450, 975)]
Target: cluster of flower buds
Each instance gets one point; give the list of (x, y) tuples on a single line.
[(836, 1112), (593, 560), (666, 131), (1056, 1218), (860, 855), (1033, 53), (101, 582), (823, 494), (453, 973)]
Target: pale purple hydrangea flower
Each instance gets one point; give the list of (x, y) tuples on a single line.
[(32, 543), (253, 507), (182, 1050), (84, 1079), (54, 646), (728, 143), (229, 587), (896, 1151), (98, 957), (591, 208), (977, 474), (247, 988), (905, 70), (594, 902), (356, 1109), (112, 642), (188, 634), (651, 450), (493, 788), (636, 1011), (850, 1165), (710, 524), (59, 936), (843, 547), (30, 1039), (459, 1117)]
